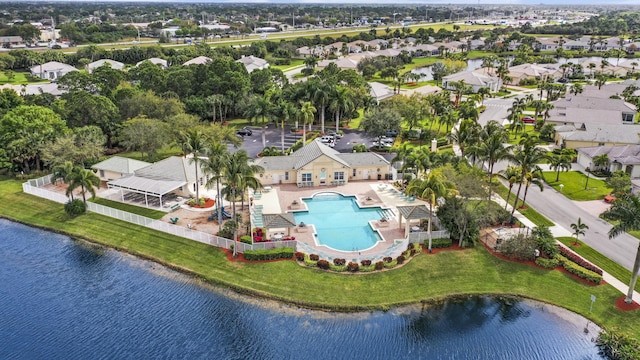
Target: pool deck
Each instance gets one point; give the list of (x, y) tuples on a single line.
[(279, 199)]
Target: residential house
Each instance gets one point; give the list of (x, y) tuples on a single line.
[(200, 60), (533, 71), (593, 134), (252, 63), (111, 63), (547, 44), (156, 61), (52, 70), (117, 167), (316, 164), (624, 157), (380, 91), (473, 79), (342, 63), (592, 110)]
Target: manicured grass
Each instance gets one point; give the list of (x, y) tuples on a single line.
[(617, 271), (514, 138), (139, 210), (473, 271), (528, 212), (18, 78), (161, 154), (574, 185), (294, 63)]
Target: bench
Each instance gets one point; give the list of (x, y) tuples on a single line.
[(175, 207)]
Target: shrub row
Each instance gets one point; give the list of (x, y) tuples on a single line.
[(547, 263), (578, 260), (340, 265), (578, 270), (440, 243), (269, 254)]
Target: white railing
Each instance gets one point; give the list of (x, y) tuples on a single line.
[(33, 187)]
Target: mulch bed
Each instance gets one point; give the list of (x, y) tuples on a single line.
[(453, 247), (623, 306), (207, 204), (533, 263)]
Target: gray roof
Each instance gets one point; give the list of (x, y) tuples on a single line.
[(312, 151), (625, 154), (146, 185), (114, 64), (249, 60), (155, 61), (52, 66), (471, 78), (200, 60), (413, 212), (584, 102), (121, 165), (274, 221), (173, 168), (620, 134)]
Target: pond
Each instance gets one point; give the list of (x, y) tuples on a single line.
[(61, 298)]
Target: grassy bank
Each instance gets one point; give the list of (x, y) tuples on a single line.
[(473, 271), (528, 212)]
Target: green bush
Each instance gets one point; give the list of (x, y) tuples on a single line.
[(246, 239), (228, 229), (391, 264), (310, 263), (520, 247), (616, 345), (282, 61), (269, 254), (578, 270), (369, 268), (439, 243), (75, 207), (547, 263), (337, 268)]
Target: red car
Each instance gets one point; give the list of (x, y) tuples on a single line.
[(528, 120)]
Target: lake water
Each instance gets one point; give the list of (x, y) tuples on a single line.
[(62, 299)]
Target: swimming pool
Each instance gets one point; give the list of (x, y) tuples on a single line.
[(339, 223)]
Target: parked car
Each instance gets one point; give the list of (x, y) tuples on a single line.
[(245, 131), (528, 120), (392, 133), (325, 139), (387, 139), (334, 134), (382, 144), (563, 80)]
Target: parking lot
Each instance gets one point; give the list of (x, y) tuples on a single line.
[(253, 144)]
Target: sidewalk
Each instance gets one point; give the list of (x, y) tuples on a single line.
[(559, 231)]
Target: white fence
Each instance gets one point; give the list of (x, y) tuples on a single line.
[(33, 187), (423, 236)]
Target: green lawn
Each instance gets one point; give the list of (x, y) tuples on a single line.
[(474, 271), (528, 212), (139, 210), (514, 138), (294, 63), (18, 78), (617, 271), (574, 185)]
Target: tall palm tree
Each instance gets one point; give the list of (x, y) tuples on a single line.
[(492, 149), (214, 164), (320, 95), (288, 112), (196, 144), (84, 179), (307, 111), (511, 174), (431, 186), (340, 101), (526, 155), (560, 161), (236, 174), (533, 177), (626, 211), (63, 172), (261, 107)]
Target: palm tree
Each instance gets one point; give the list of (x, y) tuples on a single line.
[(526, 155), (626, 211), (579, 228), (307, 111), (560, 161), (236, 174), (532, 177), (63, 172), (84, 179), (600, 161), (288, 112), (512, 174), (320, 95), (195, 144), (260, 107), (431, 186), (491, 149), (340, 101), (214, 165)]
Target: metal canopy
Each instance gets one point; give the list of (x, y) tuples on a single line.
[(146, 186)]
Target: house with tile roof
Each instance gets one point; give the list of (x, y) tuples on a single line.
[(252, 63), (625, 158), (594, 134), (473, 79), (592, 110), (316, 164)]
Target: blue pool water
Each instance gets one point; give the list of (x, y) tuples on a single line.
[(339, 222)]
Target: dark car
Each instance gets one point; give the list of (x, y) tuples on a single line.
[(563, 80), (392, 133), (244, 132), (528, 120)]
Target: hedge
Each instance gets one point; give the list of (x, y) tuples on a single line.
[(579, 260), (439, 243), (391, 264), (547, 263), (269, 254), (578, 270), (246, 239)]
